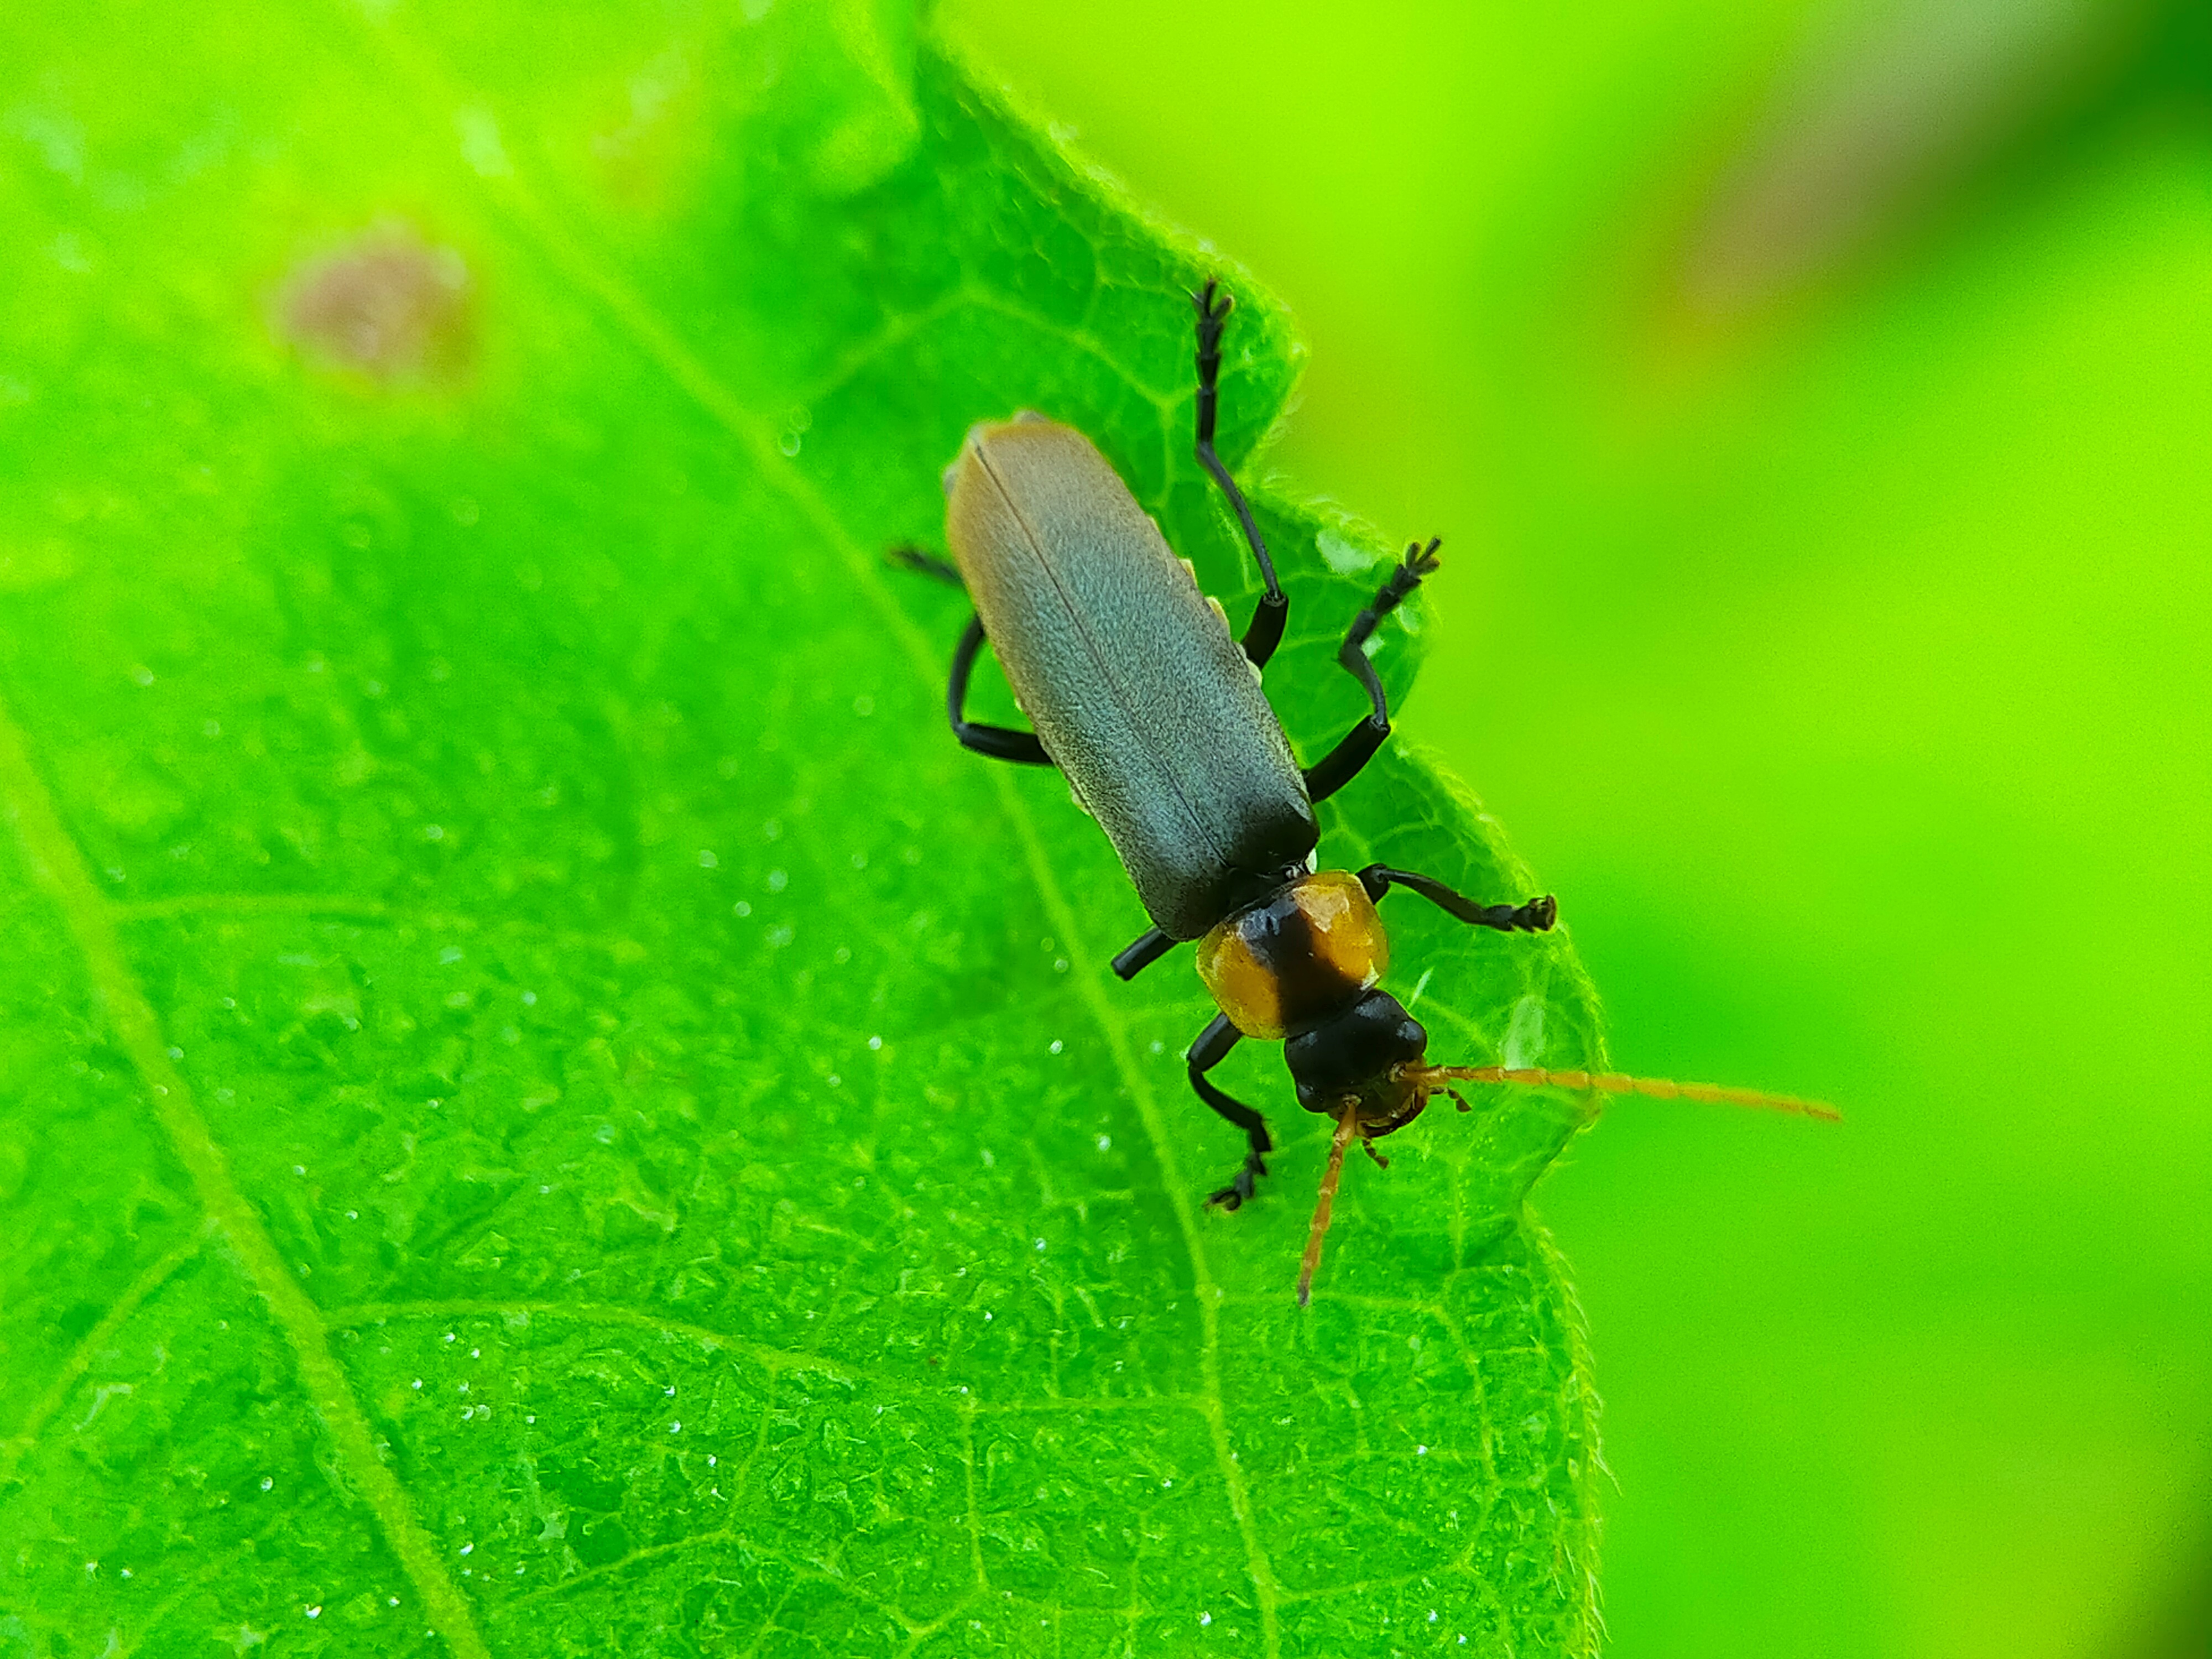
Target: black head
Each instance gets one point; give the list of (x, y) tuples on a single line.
[(1355, 1056)]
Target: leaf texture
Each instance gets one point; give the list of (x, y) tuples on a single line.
[(549, 1108)]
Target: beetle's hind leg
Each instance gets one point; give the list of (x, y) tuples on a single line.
[(1360, 744), (1265, 631), (909, 557), (1000, 742), (1212, 1048)]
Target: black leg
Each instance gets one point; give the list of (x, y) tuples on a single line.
[(1141, 952), (1212, 1048), (1265, 631), (1000, 742), (926, 564), (1342, 763), (1536, 916)]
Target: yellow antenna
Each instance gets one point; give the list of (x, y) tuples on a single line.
[(1347, 1125), (1426, 1080), (1433, 1077)]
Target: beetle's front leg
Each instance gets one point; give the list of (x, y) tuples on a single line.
[(1212, 1048)]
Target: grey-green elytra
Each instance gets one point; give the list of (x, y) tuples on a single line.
[(1128, 673)]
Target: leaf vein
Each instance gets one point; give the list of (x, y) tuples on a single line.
[(58, 863), (664, 347), (81, 1356)]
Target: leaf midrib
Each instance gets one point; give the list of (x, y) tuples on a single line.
[(58, 865)]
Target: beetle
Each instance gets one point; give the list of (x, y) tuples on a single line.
[(1156, 715)]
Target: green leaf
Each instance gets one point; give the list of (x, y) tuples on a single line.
[(550, 1110)]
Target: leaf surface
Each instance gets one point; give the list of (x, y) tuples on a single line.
[(550, 1110)]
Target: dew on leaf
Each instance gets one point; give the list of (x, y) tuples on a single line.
[(600, 676)]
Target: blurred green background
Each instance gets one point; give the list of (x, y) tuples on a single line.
[(1817, 401)]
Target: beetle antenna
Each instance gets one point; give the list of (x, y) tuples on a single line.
[(1346, 1127), (1438, 1078)]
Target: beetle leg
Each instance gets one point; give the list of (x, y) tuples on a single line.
[(1358, 746), (1141, 952), (1212, 1048), (1536, 916), (1000, 742), (926, 564), (1265, 631)]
